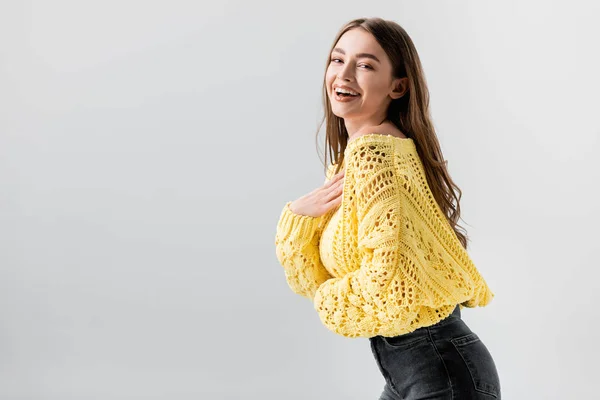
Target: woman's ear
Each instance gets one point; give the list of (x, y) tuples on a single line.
[(400, 88)]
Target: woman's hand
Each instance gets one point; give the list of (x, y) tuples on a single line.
[(320, 200)]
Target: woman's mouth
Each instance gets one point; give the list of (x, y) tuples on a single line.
[(344, 97)]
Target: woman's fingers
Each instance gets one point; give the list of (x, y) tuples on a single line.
[(335, 178), (335, 190), (330, 185), (322, 199), (334, 203)]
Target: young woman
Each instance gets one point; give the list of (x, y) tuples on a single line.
[(377, 248)]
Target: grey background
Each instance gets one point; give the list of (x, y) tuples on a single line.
[(146, 151)]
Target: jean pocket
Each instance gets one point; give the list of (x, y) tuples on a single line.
[(413, 367), (479, 362)]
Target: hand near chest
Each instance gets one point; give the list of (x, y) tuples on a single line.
[(322, 199)]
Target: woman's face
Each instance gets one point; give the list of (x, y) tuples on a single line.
[(360, 63)]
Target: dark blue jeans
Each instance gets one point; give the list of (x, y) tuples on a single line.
[(442, 361)]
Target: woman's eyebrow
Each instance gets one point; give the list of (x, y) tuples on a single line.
[(358, 55)]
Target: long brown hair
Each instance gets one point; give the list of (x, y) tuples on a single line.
[(410, 113)]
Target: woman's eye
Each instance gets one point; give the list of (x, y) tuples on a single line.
[(365, 65)]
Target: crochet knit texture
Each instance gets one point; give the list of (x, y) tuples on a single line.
[(386, 261)]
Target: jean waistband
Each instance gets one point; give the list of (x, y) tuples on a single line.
[(450, 318), (455, 313)]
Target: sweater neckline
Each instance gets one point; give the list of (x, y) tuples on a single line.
[(404, 143)]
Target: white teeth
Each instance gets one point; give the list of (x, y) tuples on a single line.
[(340, 90)]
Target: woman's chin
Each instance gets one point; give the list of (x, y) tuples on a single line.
[(341, 112)]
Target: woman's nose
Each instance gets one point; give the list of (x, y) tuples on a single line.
[(346, 72)]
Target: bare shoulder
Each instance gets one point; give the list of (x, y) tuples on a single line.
[(390, 129), (383, 129)]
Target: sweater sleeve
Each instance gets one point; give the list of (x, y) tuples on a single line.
[(297, 249), (383, 296)]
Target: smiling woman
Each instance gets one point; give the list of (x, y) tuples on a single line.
[(376, 248), (359, 66)]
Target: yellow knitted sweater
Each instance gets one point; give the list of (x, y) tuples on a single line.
[(386, 261)]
